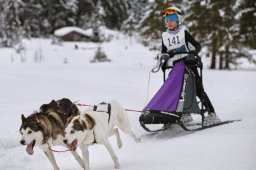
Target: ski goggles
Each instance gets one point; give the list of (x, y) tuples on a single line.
[(169, 11), (172, 17)]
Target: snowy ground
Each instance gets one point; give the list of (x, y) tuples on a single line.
[(25, 86)]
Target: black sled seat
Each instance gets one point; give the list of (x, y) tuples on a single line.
[(158, 117)]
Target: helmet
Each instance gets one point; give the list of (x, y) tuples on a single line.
[(173, 10)]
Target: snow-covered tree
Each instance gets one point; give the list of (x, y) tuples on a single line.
[(136, 10), (84, 13), (115, 12), (205, 22), (10, 29), (1, 21), (152, 24), (248, 23), (217, 25)]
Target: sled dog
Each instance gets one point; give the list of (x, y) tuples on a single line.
[(95, 126), (45, 128)]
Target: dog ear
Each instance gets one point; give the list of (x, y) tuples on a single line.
[(84, 124), (23, 118), (53, 104), (68, 120), (89, 121), (43, 108)]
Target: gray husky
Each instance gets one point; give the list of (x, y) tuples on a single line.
[(45, 128)]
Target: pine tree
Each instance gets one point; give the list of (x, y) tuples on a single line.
[(115, 13), (11, 30), (205, 25), (228, 32), (219, 26), (248, 23), (152, 24), (97, 21), (30, 13), (84, 13), (136, 10), (2, 17)]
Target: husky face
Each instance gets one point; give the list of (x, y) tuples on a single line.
[(76, 130), (31, 134)]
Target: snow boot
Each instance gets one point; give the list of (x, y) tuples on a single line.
[(211, 119), (186, 118)]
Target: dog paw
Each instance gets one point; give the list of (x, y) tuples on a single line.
[(86, 168), (117, 165)]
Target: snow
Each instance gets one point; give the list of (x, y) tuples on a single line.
[(66, 30), (104, 31), (25, 86)]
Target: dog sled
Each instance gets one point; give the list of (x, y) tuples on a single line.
[(177, 97)]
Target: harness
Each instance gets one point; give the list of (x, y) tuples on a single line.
[(108, 111), (98, 109)]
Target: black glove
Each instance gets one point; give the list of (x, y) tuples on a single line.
[(164, 56), (193, 52), (171, 54), (190, 58), (163, 66), (167, 64)]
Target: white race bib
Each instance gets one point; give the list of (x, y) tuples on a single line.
[(175, 40)]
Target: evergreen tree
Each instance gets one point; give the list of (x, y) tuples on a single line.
[(205, 25), (115, 13), (11, 30), (248, 23), (136, 11), (30, 13), (152, 25), (219, 26), (231, 35), (84, 13), (2, 2)]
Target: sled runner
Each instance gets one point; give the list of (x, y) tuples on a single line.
[(176, 98)]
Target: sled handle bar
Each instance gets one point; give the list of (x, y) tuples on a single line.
[(160, 60), (163, 56)]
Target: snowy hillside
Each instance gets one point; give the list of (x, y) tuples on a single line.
[(67, 72)]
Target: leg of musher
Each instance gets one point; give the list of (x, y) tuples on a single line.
[(212, 118)]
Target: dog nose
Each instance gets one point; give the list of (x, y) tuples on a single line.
[(65, 141), (22, 142)]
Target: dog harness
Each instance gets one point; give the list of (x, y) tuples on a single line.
[(94, 141), (102, 108)]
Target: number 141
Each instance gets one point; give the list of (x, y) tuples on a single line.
[(174, 42)]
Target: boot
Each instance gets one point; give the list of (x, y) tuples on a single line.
[(211, 119)]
